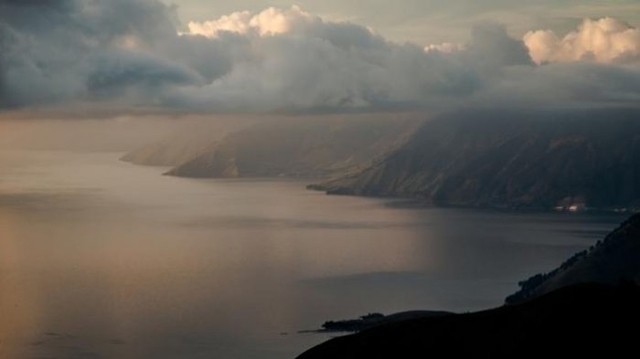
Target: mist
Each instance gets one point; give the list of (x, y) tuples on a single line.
[(112, 134)]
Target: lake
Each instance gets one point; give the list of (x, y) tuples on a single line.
[(104, 259)]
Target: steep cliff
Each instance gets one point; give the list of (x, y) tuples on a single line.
[(512, 159)]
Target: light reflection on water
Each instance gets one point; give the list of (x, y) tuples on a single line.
[(103, 259)]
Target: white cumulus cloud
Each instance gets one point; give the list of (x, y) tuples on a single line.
[(606, 40), (272, 21)]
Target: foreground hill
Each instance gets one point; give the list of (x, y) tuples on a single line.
[(300, 147), (588, 320), (512, 159), (614, 260), (586, 308)]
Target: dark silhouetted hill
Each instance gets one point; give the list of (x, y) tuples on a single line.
[(613, 260), (587, 320)]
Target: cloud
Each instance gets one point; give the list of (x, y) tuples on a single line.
[(447, 47), (129, 54), (272, 21), (492, 47), (71, 50), (605, 40), (297, 61), (562, 85)]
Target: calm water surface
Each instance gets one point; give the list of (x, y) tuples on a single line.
[(103, 259)]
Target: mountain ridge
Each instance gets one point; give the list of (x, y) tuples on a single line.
[(188, 139), (301, 148), (511, 159)]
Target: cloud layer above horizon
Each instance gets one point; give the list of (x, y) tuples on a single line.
[(129, 54)]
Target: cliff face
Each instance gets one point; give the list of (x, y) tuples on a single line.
[(614, 260), (308, 148), (512, 159)]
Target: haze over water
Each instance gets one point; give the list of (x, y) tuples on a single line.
[(103, 259)]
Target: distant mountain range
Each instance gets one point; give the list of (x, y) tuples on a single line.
[(570, 159), (171, 151), (188, 140), (512, 159), (298, 147)]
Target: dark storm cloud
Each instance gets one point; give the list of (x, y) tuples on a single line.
[(129, 53), (72, 50), (117, 71), (492, 47)]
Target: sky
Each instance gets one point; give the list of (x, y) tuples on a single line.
[(432, 21), (136, 56)]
